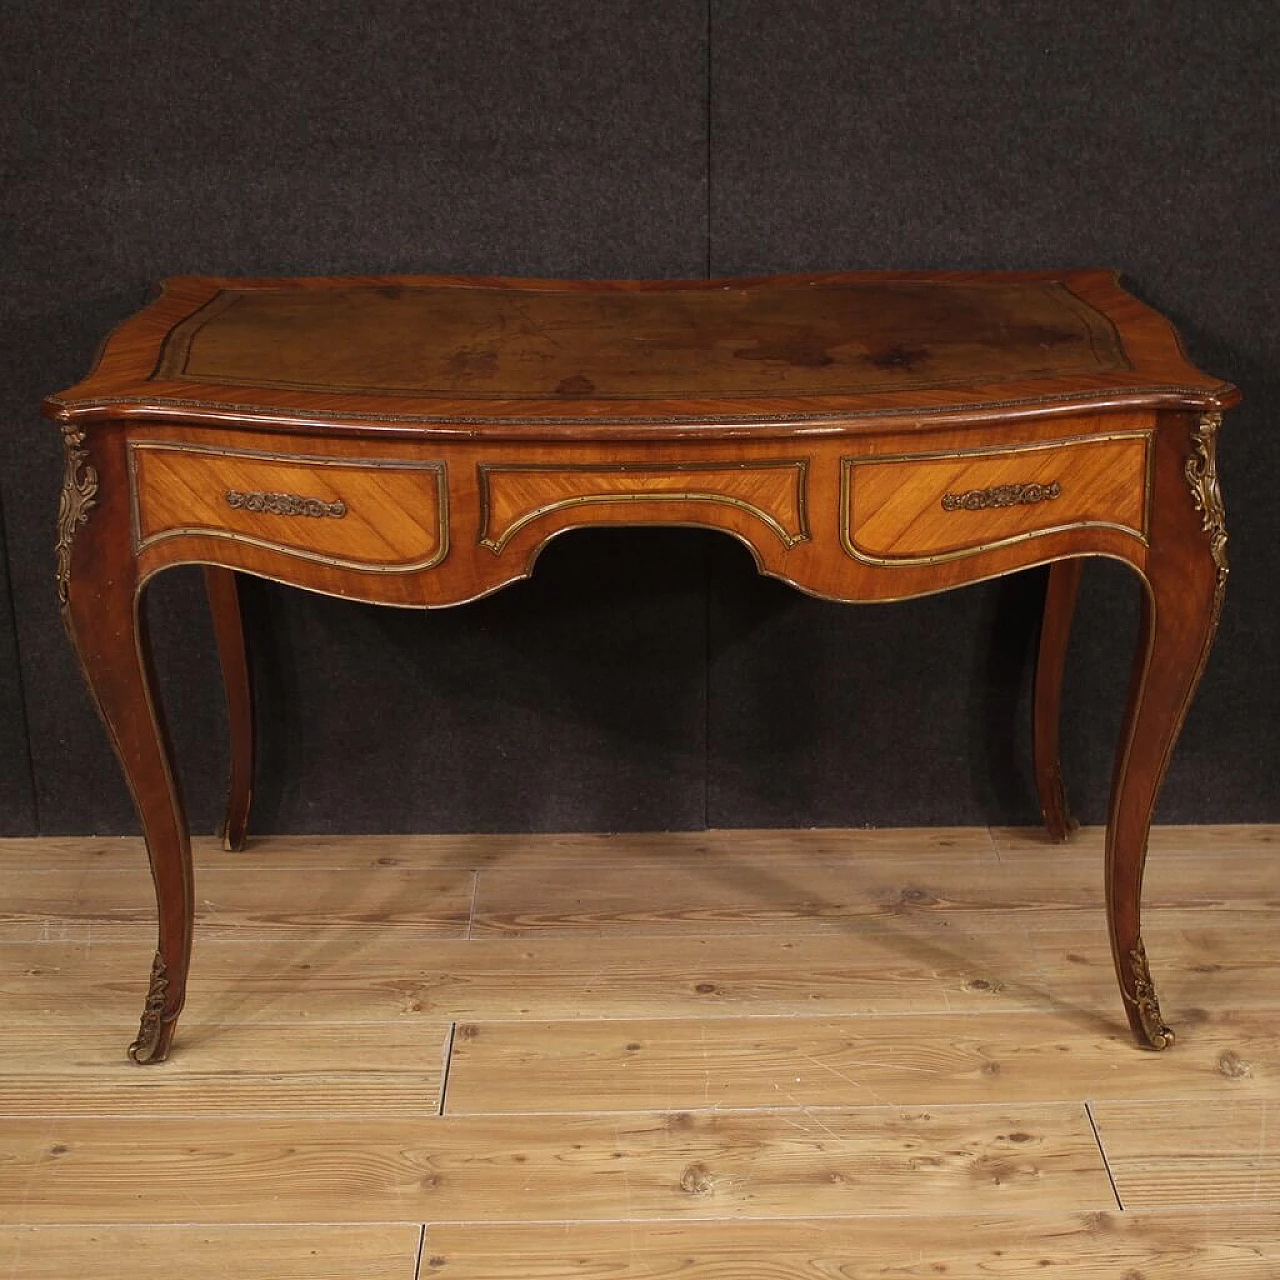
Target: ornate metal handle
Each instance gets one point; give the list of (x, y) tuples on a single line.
[(1002, 495), (285, 504)]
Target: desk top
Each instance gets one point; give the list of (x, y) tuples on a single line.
[(503, 356)]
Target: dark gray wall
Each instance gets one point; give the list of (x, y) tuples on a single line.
[(17, 793), (640, 680)]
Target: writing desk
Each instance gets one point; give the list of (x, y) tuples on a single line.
[(417, 441)]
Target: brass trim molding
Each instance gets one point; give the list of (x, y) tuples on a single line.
[(498, 543), (79, 495), (144, 1047), (1002, 495), (285, 504), (848, 463), (826, 421), (1158, 1034), (1201, 471), (438, 468)]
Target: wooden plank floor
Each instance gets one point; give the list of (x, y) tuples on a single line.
[(699, 1056)]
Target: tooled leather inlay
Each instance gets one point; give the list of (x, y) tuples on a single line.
[(496, 343)]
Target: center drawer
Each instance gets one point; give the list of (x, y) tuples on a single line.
[(370, 514), (927, 507)]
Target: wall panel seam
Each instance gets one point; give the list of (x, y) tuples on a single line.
[(25, 731)]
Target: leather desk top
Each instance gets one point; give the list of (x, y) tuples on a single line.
[(509, 358)]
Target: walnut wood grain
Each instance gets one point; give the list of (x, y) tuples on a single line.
[(1183, 584), (106, 621), (1051, 661), (222, 587), (418, 441)]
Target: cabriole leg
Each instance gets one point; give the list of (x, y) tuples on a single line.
[(102, 610), (1185, 580)]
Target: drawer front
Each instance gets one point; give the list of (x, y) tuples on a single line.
[(378, 516), (923, 508), (515, 495)]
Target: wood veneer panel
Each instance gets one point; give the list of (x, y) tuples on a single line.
[(925, 1060), (360, 513), (738, 1165), (314, 1251), (1184, 1153), (897, 509), (1223, 1245), (771, 492)]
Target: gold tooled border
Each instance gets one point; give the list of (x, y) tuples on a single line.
[(439, 468), (800, 467), (847, 464), (171, 361), (1101, 342)]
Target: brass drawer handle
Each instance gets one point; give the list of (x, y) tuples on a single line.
[(285, 504), (1002, 495)]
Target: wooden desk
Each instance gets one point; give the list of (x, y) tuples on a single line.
[(418, 441)]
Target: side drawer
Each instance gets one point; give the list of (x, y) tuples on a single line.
[(922, 508), (376, 515)]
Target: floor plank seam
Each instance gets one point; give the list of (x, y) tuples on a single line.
[(142, 1122), (994, 850), (719, 1109), (738, 1219), (468, 932), (1102, 1152), (417, 1262), (445, 1066)]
